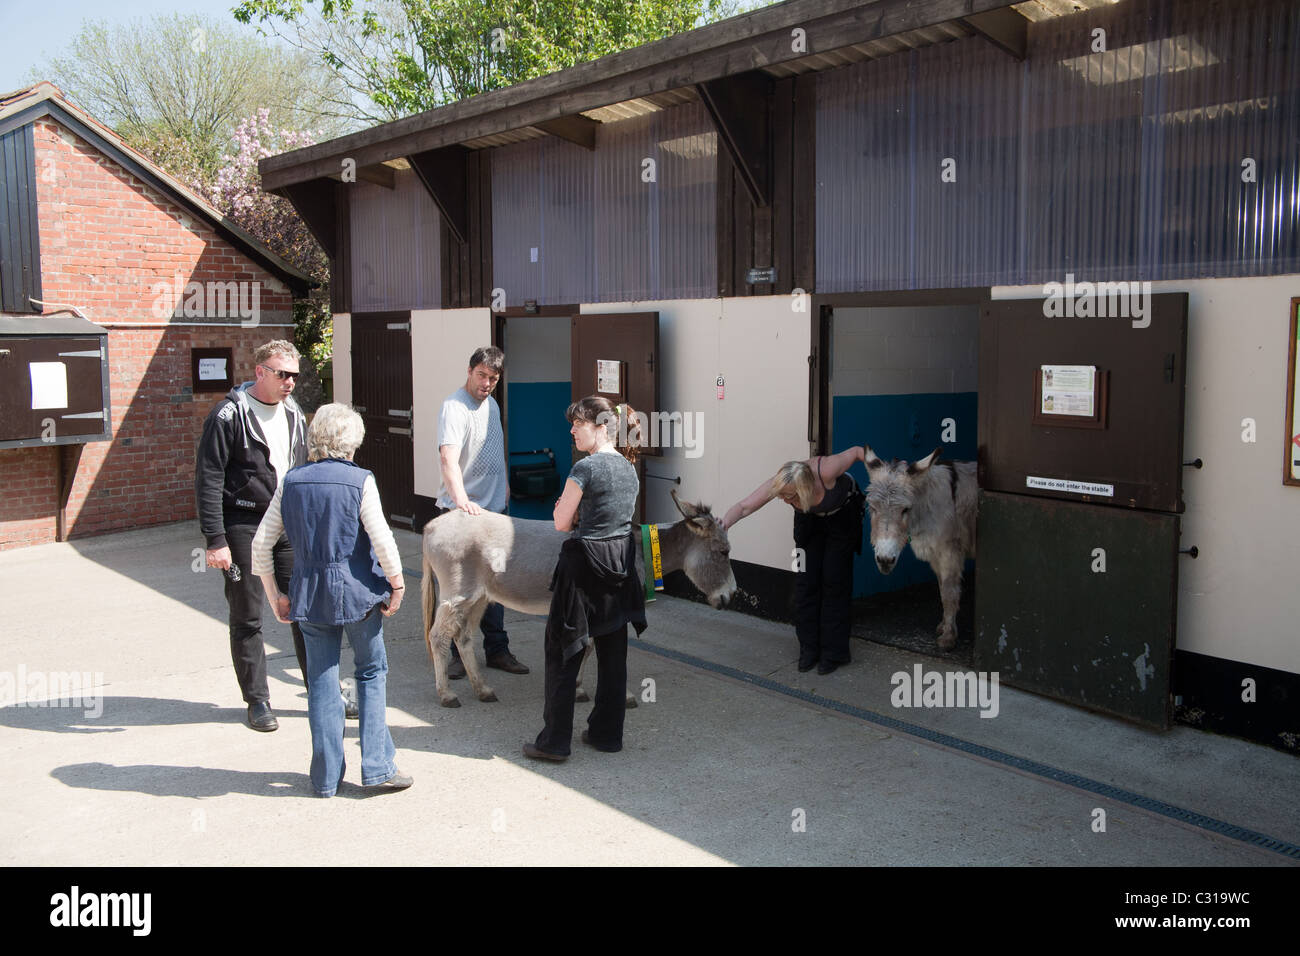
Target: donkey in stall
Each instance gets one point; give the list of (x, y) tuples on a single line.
[(472, 560), (932, 507)]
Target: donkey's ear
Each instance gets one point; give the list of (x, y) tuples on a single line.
[(922, 466), (687, 509), (872, 460), (698, 517)]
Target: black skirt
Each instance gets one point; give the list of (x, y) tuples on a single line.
[(595, 589)]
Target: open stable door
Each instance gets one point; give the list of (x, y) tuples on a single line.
[(381, 393), (1080, 468), (616, 355)]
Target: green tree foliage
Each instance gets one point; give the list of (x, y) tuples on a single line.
[(403, 56), (175, 88)]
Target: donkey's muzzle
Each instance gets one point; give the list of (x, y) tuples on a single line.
[(885, 564)]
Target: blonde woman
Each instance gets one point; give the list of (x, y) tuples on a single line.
[(828, 509)]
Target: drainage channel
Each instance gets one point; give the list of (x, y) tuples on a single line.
[(1252, 837)]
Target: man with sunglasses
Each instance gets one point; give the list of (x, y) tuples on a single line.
[(250, 440)]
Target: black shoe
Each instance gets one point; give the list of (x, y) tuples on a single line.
[(807, 662), (533, 752), (505, 661), (456, 669), (398, 781), (827, 667), (605, 750), (261, 718)]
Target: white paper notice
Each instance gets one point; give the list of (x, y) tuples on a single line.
[(607, 376), (212, 369), (1074, 487), (1068, 390), (49, 384)]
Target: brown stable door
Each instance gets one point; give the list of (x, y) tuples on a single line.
[(616, 355), (381, 393), (1080, 472)]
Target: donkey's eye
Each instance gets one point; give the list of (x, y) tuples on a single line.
[(905, 511)]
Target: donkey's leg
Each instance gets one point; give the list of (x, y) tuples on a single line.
[(948, 567), (447, 626), (465, 643)]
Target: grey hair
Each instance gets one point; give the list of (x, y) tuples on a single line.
[(276, 347), (336, 432)]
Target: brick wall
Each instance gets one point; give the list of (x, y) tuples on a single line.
[(107, 242)]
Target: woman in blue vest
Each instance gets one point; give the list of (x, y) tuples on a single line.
[(595, 590), (828, 513), (330, 510)]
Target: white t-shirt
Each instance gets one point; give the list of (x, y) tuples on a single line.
[(275, 426), (475, 427)]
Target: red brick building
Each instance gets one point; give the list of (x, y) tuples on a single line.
[(87, 224)]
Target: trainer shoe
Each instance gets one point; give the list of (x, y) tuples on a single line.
[(456, 669)]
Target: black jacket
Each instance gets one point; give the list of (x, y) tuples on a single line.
[(233, 477), (594, 590)]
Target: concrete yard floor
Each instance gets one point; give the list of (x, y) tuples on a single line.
[(716, 770)]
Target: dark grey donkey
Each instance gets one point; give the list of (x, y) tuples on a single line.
[(472, 560), (932, 507)]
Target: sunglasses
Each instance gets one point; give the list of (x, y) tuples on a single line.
[(282, 374)]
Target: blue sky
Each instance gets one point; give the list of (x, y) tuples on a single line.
[(37, 30)]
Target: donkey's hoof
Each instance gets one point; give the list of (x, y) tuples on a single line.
[(488, 697), (581, 696), (947, 641), (451, 702), (630, 703)]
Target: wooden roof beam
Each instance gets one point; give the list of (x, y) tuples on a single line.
[(741, 108), (579, 130), (757, 40), (442, 171), (315, 201), (1005, 29), (379, 174)]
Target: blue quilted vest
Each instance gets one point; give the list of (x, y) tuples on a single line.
[(336, 578)]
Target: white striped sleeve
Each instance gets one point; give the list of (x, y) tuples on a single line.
[(268, 533), (381, 537)]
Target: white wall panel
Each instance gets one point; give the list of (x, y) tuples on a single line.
[(442, 340)]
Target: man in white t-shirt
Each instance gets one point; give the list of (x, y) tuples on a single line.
[(472, 453)]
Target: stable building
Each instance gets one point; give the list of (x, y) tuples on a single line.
[(129, 308), (1059, 238)]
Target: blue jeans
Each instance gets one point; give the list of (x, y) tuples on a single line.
[(325, 705)]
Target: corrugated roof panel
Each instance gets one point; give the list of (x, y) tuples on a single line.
[(1169, 154)]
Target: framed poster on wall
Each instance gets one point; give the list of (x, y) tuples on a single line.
[(1291, 463)]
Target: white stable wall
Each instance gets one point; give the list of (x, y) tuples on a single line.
[(442, 340), (760, 346), (343, 357), (1240, 598)]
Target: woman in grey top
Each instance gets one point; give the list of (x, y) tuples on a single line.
[(595, 591)]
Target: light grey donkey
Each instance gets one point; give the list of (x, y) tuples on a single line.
[(473, 560), (932, 507)]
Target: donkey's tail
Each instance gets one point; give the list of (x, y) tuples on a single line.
[(428, 597)]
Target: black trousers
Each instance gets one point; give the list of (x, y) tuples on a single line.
[(823, 591), (247, 599), (605, 725)]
